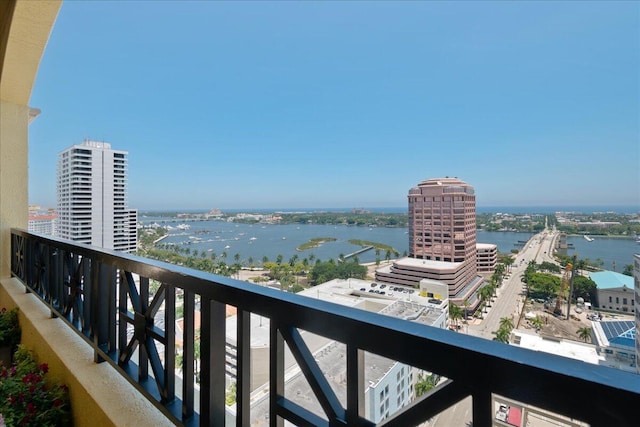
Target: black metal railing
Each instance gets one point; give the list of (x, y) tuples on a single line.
[(105, 297)]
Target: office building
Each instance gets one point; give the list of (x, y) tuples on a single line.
[(42, 221), (614, 291), (442, 240), (92, 197), (487, 257)]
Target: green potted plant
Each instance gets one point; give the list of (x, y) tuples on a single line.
[(29, 398), (9, 335)]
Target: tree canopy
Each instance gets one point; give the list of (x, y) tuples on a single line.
[(329, 270)]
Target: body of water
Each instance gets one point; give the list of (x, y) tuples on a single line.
[(259, 240)]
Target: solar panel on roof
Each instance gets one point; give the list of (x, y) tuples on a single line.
[(619, 332)]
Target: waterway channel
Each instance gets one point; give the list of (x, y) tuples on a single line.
[(256, 241)]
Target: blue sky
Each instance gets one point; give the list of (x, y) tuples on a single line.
[(346, 104)]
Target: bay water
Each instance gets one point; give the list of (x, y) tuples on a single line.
[(255, 241)]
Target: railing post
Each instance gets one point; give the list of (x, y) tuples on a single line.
[(276, 373), (355, 384), (212, 356), (243, 363), (170, 338), (103, 298), (188, 339), (481, 406)]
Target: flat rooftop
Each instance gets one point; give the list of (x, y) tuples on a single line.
[(403, 302), (567, 348), (363, 294), (427, 263)]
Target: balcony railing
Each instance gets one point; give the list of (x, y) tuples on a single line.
[(92, 290)]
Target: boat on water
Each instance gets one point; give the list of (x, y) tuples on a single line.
[(183, 226), (588, 239)]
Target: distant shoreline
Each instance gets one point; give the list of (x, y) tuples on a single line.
[(550, 209)]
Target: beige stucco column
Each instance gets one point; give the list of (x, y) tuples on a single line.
[(24, 35)]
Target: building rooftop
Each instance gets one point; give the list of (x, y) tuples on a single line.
[(442, 182), (611, 280), (615, 332), (427, 263), (567, 348), (486, 245), (404, 302)]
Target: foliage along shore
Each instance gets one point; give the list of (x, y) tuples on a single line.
[(314, 243)]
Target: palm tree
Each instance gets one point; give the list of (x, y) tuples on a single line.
[(485, 294), (537, 323), (466, 311), (455, 314), (506, 323), (502, 335), (584, 333), (508, 262)]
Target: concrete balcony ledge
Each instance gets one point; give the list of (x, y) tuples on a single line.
[(99, 395)]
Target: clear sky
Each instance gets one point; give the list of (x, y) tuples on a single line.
[(346, 104)]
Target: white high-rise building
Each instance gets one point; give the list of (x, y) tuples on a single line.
[(92, 197)]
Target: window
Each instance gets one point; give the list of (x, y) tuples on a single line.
[(624, 301), (617, 300)]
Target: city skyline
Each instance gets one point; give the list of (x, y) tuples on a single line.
[(341, 104)]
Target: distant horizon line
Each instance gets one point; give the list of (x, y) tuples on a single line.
[(622, 209)]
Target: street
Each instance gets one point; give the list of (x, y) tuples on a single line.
[(507, 304)]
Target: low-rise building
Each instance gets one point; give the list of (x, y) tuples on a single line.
[(390, 385), (614, 291), (486, 258), (615, 341), (43, 223)]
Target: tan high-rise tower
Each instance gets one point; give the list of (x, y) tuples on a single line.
[(442, 240), (442, 223)]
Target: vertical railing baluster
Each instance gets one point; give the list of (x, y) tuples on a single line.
[(91, 302), (86, 266), (143, 357), (47, 276), (243, 368), (276, 373), (57, 272), (122, 322), (481, 407), (188, 337), (355, 384), (106, 276), (29, 264), (212, 354), (170, 342)]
